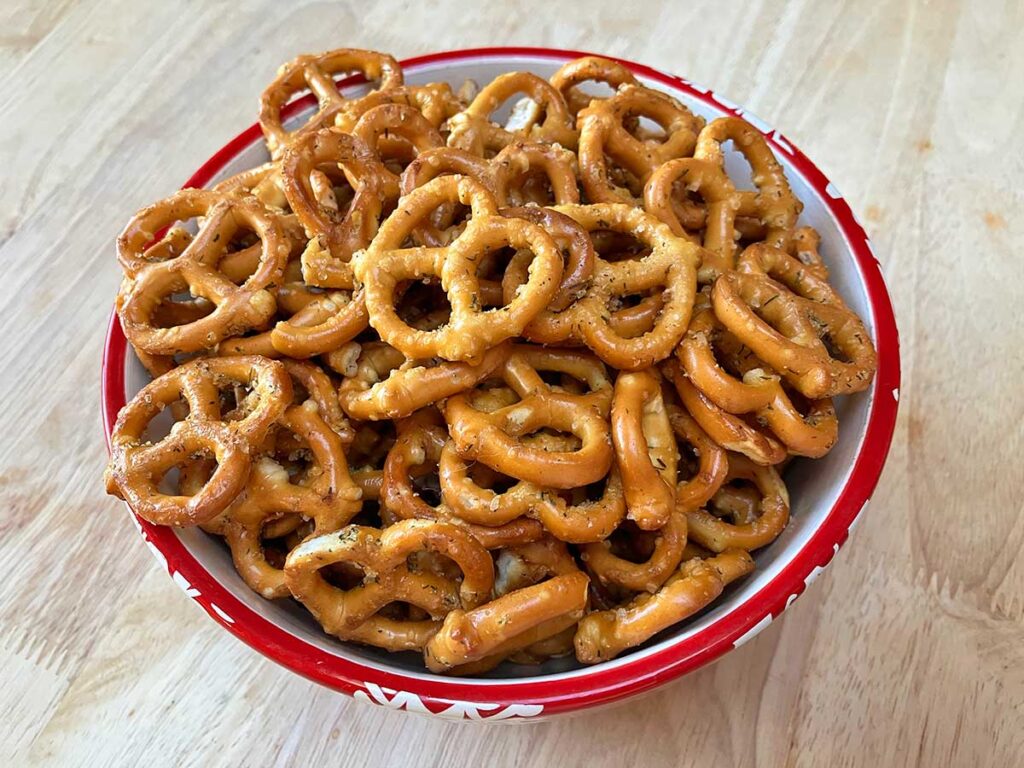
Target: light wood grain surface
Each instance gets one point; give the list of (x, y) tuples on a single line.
[(909, 651)]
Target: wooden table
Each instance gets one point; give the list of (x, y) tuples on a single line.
[(909, 651)]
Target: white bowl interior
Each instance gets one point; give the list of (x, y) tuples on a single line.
[(813, 485)]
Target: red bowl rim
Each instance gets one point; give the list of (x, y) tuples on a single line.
[(511, 698)]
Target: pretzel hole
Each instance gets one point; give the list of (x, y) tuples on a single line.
[(522, 115), (485, 477), (737, 167), (428, 487), (343, 575), (425, 561), (832, 346), (644, 128), (172, 475), (491, 396), (630, 543), (552, 440), (332, 189), (739, 502), (180, 308), (423, 304), (612, 245), (623, 178), (532, 187)]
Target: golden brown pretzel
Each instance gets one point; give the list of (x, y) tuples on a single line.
[(603, 135), (394, 130), (468, 636), (774, 205), (416, 453), (327, 496), (434, 101), (666, 554), (584, 69), (318, 74), (387, 385), (718, 535), (236, 308), (473, 131), (335, 232), (645, 448), (382, 555), (605, 634), (792, 332), (470, 330), (495, 438), (137, 465), (729, 431), (671, 265), (759, 392), (722, 205)]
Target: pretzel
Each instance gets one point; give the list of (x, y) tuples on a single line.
[(434, 101), (329, 498), (671, 264), (576, 523), (335, 234), (729, 431), (386, 385), (504, 176), (710, 467), (417, 452), (588, 68), (759, 392), (236, 308), (645, 448), (719, 535), (605, 634), (136, 466), (806, 241), (495, 438), (390, 129), (722, 201), (473, 131), (318, 73), (470, 331), (789, 330), (467, 636), (603, 135), (382, 555), (773, 204), (611, 569)]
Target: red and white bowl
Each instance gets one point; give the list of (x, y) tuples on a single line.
[(827, 495)]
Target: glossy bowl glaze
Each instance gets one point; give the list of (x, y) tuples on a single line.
[(827, 495)]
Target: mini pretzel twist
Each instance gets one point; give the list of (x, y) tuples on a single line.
[(137, 465), (604, 136), (645, 448), (718, 535), (572, 74), (773, 204), (318, 74), (495, 438), (759, 392), (235, 308), (382, 555), (605, 634), (396, 133), (434, 101), (470, 330), (329, 498), (671, 265), (472, 129), (791, 331)]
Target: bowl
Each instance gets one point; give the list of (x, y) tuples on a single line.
[(828, 495)]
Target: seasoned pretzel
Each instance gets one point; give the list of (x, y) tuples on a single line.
[(722, 205), (335, 234), (671, 264), (417, 452), (792, 331), (645, 448), (773, 204), (605, 634), (387, 385), (236, 308), (473, 131), (434, 101), (759, 392), (603, 135), (467, 636), (577, 523), (718, 535), (729, 431), (137, 466), (584, 69), (329, 498), (470, 330), (712, 463), (318, 74), (382, 555), (610, 569), (390, 129), (495, 438), (314, 389)]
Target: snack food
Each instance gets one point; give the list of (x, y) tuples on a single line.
[(564, 357)]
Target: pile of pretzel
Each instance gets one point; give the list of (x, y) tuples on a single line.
[(483, 391)]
